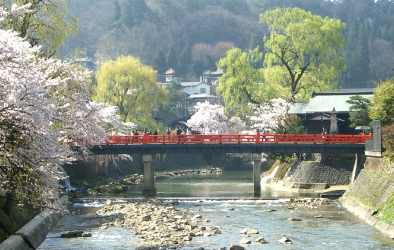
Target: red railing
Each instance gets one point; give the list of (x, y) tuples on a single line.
[(232, 138)]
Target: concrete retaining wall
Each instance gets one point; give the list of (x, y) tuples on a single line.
[(300, 187), (333, 171), (371, 197), (31, 235)]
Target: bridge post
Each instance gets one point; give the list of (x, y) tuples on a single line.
[(149, 174), (256, 158), (358, 165)]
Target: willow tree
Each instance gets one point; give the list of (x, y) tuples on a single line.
[(47, 24), (240, 83), (304, 48), (132, 87)]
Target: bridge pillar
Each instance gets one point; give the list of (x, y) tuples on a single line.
[(358, 165), (149, 174), (256, 158)]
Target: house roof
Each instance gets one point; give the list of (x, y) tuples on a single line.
[(201, 96), (193, 84), (170, 71), (325, 102)]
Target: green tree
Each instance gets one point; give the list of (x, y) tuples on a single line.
[(175, 91), (48, 25), (131, 86), (185, 59), (159, 62), (304, 44), (359, 111), (209, 64), (198, 67), (116, 15), (172, 59), (134, 12), (241, 83), (383, 103)]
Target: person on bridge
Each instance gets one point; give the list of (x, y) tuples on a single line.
[(178, 131), (263, 132), (168, 131), (179, 134)]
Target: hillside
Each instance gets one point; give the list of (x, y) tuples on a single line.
[(148, 29)]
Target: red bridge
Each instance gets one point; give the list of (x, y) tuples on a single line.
[(150, 145), (235, 138), (229, 143)]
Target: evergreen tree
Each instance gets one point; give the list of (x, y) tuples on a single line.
[(198, 67), (209, 64), (116, 15), (172, 60), (363, 52), (134, 12), (159, 62), (185, 60), (255, 41)]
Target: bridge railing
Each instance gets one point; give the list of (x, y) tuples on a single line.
[(231, 139)]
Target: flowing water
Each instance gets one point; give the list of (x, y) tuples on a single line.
[(226, 200)]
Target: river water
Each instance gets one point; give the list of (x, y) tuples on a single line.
[(226, 200)]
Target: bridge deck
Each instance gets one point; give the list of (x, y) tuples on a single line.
[(229, 143)]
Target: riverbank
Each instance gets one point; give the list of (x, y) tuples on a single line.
[(224, 201), (161, 224), (371, 197), (32, 234), (122, 183)]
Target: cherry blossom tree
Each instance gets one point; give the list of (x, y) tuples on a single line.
[(211, 119), (43, 103), (269, 115)]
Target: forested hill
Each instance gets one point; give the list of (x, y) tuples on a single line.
[(195, 34)]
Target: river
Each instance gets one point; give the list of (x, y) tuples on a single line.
[(226, 200)]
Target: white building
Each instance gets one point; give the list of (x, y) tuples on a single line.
[(192, 88)]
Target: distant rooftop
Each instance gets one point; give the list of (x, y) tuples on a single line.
[(324, 102), (170, 71)]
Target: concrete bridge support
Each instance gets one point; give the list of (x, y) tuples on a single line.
[(149, 174), (358, 165), (256, 158)]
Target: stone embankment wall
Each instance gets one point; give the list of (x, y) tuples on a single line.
[(319, 172), (316, 172), (371, 197), (31, 235), (322, 168)]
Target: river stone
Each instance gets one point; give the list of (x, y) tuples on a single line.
[(319, 216), (197, 216), (249, 231), (236, 247), (146, 218), (187, 238), (271, 210), (294, 219), (260, 240), (72, 234), (285, 240), (245, 242)]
